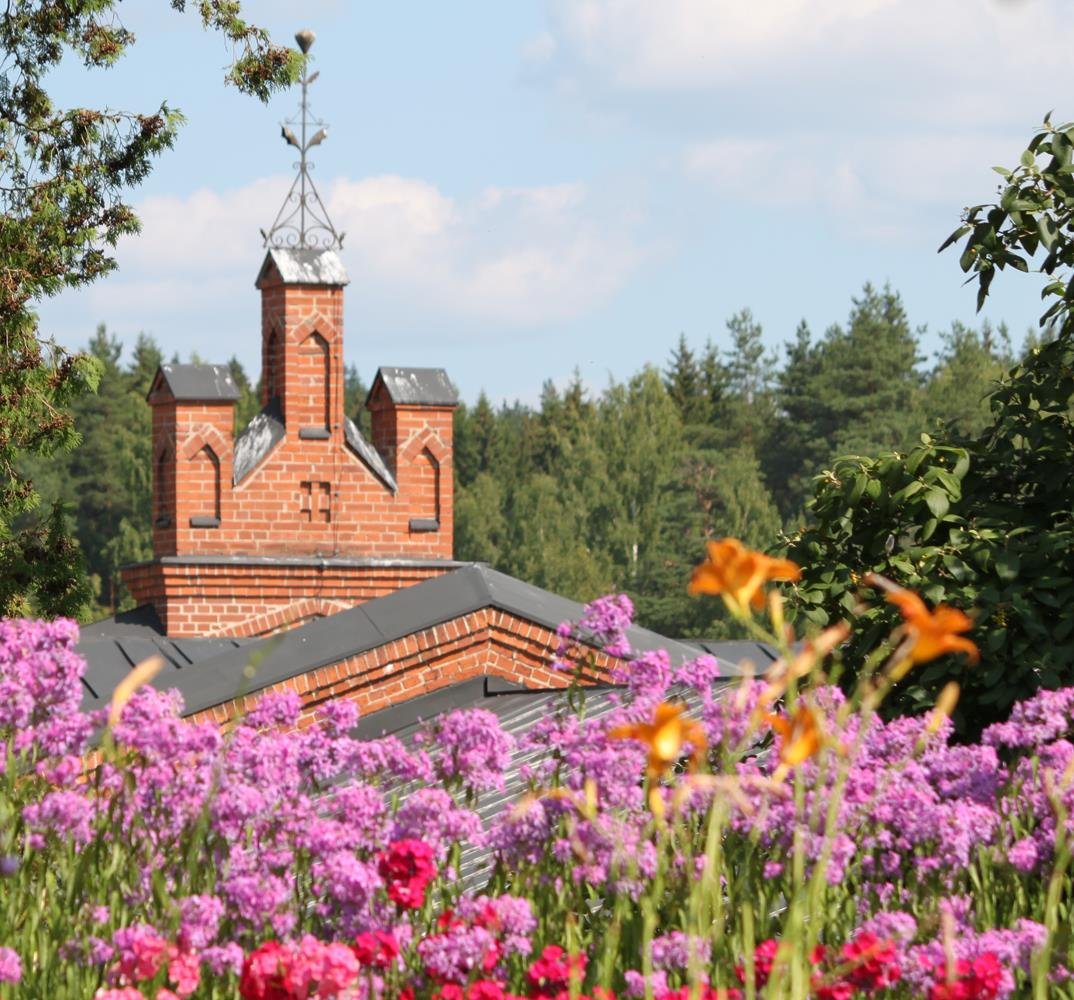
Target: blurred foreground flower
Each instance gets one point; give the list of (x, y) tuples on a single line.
[(665, 738), (801, 735), (738, 574), (930, 633)]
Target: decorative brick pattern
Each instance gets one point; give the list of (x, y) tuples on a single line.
[(486, 643)]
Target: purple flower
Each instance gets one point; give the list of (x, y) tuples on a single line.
[(10, 966), (470, 748), (199, 920), (1041, 719), (603, 624), (677, 950), (456, 954), (222, 959), (431, 814), (1024, 855)]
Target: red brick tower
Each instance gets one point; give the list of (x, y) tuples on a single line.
[(300, 516)]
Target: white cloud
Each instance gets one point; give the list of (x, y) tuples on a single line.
[(920, 57), (878, 186), (518, 257), (522, 256)]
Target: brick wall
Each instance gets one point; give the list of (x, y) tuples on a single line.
[(203, 598), (489, 642)]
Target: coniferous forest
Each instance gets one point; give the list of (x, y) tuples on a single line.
[(595, 490)]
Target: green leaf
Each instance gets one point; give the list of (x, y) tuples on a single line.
[(1047, 229), (954, 237), (1007, 566), (938, 502)]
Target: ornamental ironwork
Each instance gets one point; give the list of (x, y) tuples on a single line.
[(302, 221)]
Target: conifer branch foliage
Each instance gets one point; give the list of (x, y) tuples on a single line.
[(64, 176)]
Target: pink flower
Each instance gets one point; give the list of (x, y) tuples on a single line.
[(184, 971), (376, 948), (10, 966), (142, 952), (264, 972), (407, 868), (977, 980)]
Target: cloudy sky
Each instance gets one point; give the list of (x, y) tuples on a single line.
[(534, 186)]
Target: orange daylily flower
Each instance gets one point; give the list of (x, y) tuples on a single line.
[(801, 734), (934, 633), (665, 737), (738, 574)]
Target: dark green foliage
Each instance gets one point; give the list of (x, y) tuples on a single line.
[(982, 521), (854, 391), (248, 404), (354, 393), (64, 173)]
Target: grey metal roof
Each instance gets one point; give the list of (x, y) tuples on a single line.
[(110, 657), (140, 622), (416, 386), (518, 710), (260, 436), (219, 675), (305, 267), (198, 382), (368, 454), (736, 651)]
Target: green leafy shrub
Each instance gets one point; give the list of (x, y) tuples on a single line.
[(985, 523)]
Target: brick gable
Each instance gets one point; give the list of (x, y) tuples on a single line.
[(299, 484)]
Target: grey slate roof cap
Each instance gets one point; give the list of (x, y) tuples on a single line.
[(416, 386), (305, 266), (198, 382), (261, 435)]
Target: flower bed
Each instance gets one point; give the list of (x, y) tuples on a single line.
[(774, 838)]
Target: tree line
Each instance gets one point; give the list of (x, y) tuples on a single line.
[(597, 490)]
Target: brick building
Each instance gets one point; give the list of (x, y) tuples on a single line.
[(302, 555), (300, 516)]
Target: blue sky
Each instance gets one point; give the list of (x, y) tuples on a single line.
[(534, 186)]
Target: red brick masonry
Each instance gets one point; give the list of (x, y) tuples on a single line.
[(488, 642)]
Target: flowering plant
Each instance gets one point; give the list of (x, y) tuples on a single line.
[(683, 836)]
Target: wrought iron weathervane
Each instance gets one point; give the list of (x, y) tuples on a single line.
[(302, 222)]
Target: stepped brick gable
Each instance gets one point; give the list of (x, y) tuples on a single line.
[(300, 515)]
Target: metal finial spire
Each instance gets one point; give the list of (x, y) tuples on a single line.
[(302, 222)]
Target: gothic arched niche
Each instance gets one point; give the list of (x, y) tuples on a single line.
[(204, 477), (427, 497), (312, 381), (162, 490)]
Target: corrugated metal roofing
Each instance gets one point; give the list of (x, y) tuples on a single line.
[(518, 710), (199, 382), (416, 386)]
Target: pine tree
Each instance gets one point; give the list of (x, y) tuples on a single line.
[(968, 368), (684, 382)]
